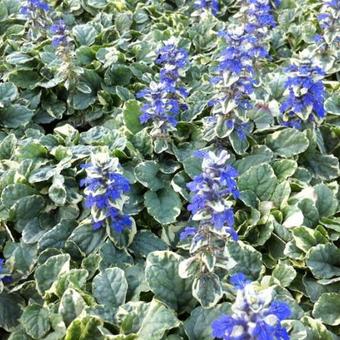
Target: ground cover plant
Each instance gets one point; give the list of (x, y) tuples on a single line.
[(169, 169)]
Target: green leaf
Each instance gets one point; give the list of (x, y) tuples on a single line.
[(29, 207), (324, 261), (7, 146), (243, 258), (131, 116), (239, 145), (146, 174), (309, 211), (284, 274), (81, 101), (123, 22), (332, 104), (71, 305), (27, 79), (162, 276), (326, 167), (317, 330), (164, 205), (24, 257), (331, 223), (84, 328), (109, 287), (57, 236), (20, 334), (158, 319), (306, 238), (284, 168), (287, 142), (98, 3), (47, 273), (192, 166), (10, 310), (35, 320), (207, 289), (86, 238), (146, 242), (84, 34), (281, 194), (260, 154), (57, 191), (131, 315), (327, 308), (198, 325), (32, 150), (14, 192), (8, 92), (14, 116), (75, 278), (118, 74), (17, 58), (326, 203), (259, 179), (114, 257)]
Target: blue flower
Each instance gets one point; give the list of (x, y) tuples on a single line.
[(235, 77), (60, 38), (187, 232), (239, 280), (254, 314), (328, 21), (105, 190), (172, 59), (210, 191), (165, 100), (6, 278), (305, 94), (32, 6), (212, 5), (160, 107)]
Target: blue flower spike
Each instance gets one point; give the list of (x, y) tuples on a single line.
[(164, 100), (211, 191), (59, 32), (304, 94), (255, 315), (105, 191), (235, 75)]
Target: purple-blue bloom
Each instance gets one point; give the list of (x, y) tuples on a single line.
[(187, 232), (329, 21), (210, 192), (105, 190), (305, 94), (60, 38), (32, 6), (212, 5), (254, 314), (239, 280), (235, 77), (2, 261), (165, 100), (4, 279), (160, 107), (172, 59)]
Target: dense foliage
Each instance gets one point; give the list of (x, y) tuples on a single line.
[(169, 169)]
